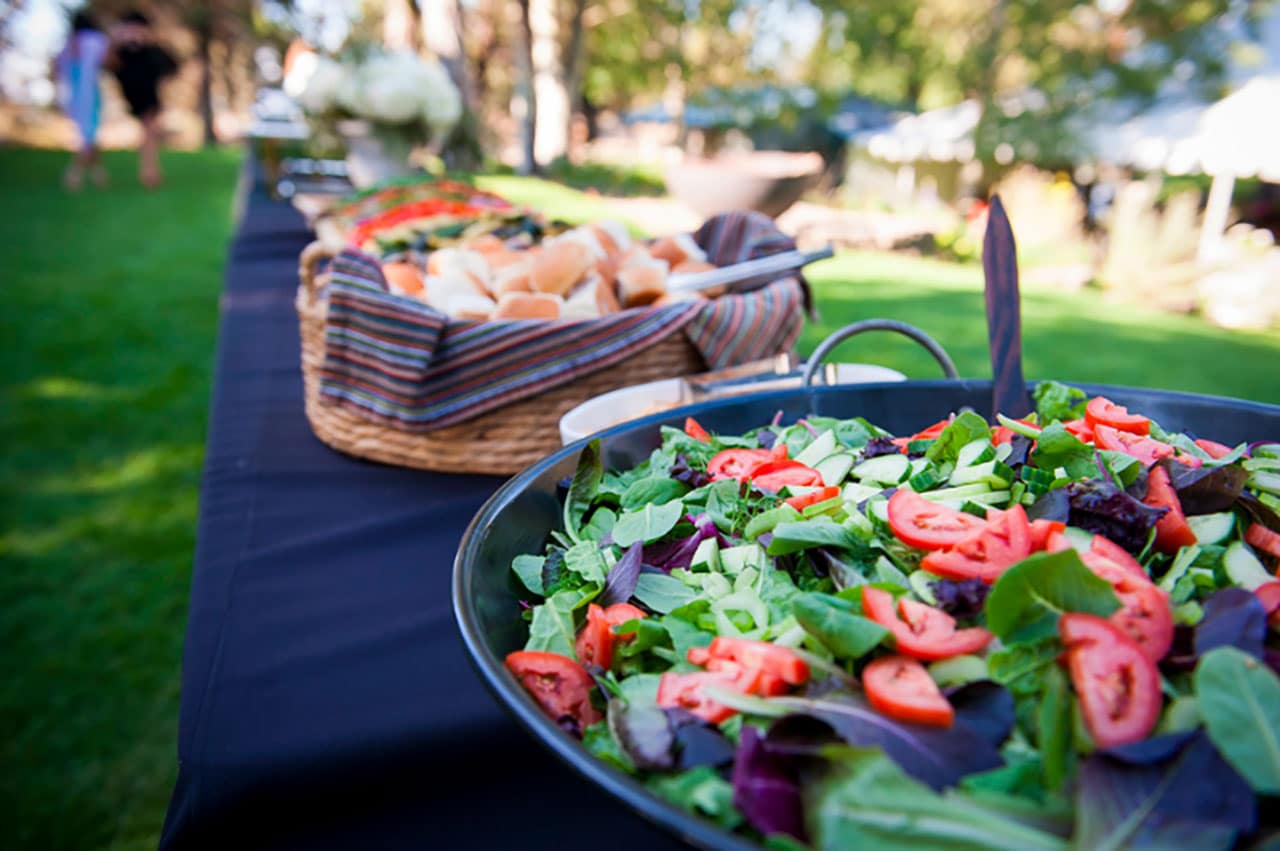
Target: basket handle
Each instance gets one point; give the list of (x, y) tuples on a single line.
[(825, 348), (308, 264)]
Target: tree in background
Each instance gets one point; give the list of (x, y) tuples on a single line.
[(1037, 66)]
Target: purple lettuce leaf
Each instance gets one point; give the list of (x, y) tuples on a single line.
[(1019, 451), (767, 438), (644, 733), (667, 555), (620, 584), (683, 472), (1179, 793), (697, 742), (1206, 490), (1233, 617), (878, 446), (1102, 508), (986, 707), (766, 789), (1053, 505), (936, 756), (962, 599)]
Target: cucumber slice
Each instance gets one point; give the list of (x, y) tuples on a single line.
[(960, 493), (708, 553), (919, 447), (990, 498), (1243, 567), (856, 493), (886, 469), (1003, 451), (1031, 474), (879, 508), (1254, 464), (736, 559), (765, 521), (1179, 568), (977, 509), (958, 670), (834, 468), (1212, 528), (822, 446), (975, 452), (1079, 539), (925, 479), (1267, 450), (991, 472), (827, 506)]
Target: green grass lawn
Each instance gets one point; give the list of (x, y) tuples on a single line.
[(107, 344), (107, 337)]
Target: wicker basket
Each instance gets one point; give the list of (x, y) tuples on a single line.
[(502, 441)]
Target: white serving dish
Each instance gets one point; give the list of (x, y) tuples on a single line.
[(628, 403)]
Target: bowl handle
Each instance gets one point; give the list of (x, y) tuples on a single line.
[(811, 369)]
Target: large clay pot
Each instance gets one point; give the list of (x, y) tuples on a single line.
[(765, 181)]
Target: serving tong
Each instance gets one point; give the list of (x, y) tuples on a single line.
[(749, 274)]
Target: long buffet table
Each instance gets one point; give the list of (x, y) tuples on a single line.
[(327, 701)]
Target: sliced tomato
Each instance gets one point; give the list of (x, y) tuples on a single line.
[(901, 443), (1213, 448), (932, 432), (1103, 549), (749, 680), (921, 631), (1056, 543), (1193, 461), (901, 688), (781, 662), (776, 475), (698, 655), (560, 685), (1102, 411), (739, 463), (1080, 428), (1119, 687), (595, 640), (918, 522), (1268, 594), (687, 691), (620, 613), (987, 552), (813, 497), (1042, 531), (1172, 530), (695, 430), (1145, 449), (1262, 538)]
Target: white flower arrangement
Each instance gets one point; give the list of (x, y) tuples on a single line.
[(399, 89)]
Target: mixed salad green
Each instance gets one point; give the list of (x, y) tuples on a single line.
[(1049, 632)]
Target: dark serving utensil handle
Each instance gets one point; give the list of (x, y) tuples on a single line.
[(837, 337), (1004, 314)]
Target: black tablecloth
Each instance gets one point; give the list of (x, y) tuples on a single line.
[(327, 701)]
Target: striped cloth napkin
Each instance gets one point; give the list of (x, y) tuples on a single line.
[(396, 361)]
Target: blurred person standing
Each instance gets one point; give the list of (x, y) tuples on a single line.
[(140, 64), (77, 68)]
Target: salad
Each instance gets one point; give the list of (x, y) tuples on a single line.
[(1055, 631)]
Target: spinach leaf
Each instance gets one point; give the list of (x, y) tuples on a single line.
[(830, 620), (1182, 795), (655, 489), (684, 633), (1027, 599), (600, 743), (648, 523), (700, 790), (585, 560), (1054, 727), (1021, 667), (853, 433), (529, 569), (868, 802), (663, 593), (583, 489), (965, 428), (1239, 700), (552, 626), (791, 537), (1056, 447), (556, 576), (600, 524), (1055, 401)]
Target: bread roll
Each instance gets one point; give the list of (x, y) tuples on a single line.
[(461, 263), (486, 244), (470, 306), (590, 300), (441, 290), (642, 283), (403, 278), (692, 267), (513, 279), (527, 306), (613, 237), (559, 265), (587, 237), (677, 249)]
